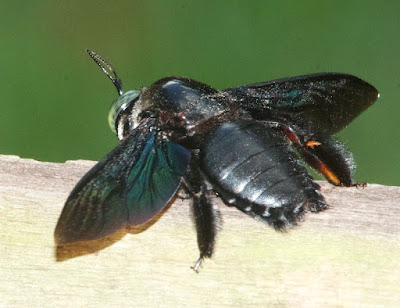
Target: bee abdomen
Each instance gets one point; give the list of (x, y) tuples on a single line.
[(254, 168)]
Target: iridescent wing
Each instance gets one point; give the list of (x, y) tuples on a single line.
[(127, 187), (313, 105)]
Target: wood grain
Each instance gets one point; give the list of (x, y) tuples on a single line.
[(347, 256)]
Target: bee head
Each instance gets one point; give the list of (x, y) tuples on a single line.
[(124, 111)]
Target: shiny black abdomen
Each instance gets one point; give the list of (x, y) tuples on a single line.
[(253, 167)]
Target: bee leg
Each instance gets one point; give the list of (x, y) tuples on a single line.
[(326, 155), (197, 264), (206, 215)]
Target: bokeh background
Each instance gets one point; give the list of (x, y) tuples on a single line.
[(55, 100)]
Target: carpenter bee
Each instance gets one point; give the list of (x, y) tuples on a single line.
[(241, 143)]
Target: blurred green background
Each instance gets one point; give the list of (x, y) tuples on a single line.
[(55, 100)]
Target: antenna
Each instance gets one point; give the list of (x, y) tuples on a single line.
[(107, 68)]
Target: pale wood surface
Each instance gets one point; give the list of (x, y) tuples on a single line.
[(347, 256)]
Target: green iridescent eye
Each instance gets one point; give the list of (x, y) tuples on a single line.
[(121, 105)]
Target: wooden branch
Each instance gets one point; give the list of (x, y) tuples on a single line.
[(346, 256)]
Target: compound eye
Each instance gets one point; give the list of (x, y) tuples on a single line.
[(121, 106)]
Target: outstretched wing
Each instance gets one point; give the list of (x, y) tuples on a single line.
[(314, 105), (127, 187)]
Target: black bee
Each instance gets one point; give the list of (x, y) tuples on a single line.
[(239, 143)]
